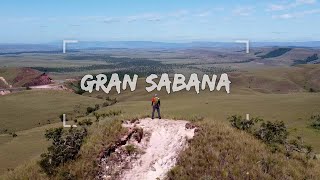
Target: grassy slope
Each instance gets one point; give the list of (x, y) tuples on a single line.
[(25, 110), (9, 73), (221, 152), (28, 145), (279, 80), (22, 114), (293, 108), (24, 75)]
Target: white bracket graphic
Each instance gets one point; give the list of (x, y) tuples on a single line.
[(247, 42), (65, 124), (65, 42)]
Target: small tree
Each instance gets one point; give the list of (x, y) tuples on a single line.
[(65, 147), (272, 132), (315, 121), (85, 122), (243, 124), (97, 115)]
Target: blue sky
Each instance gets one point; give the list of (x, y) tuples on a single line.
[(38, 21)]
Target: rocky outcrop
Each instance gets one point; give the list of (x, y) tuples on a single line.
[(43, 79), (148, 150)]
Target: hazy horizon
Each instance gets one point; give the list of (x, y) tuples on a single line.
[(36, 21)]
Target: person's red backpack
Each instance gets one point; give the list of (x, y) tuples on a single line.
[(155, 101)]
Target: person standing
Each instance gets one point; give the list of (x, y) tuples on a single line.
[(155, 103)]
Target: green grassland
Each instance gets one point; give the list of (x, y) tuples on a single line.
[(294, 109), (29, 109), (272, 94), (244, 151), (28, 145), (29, 114), (286, 97)]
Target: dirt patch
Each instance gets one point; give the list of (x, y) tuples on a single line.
[(4, 92), (43, 79), (148, 151), (25, 75), (5, 82)]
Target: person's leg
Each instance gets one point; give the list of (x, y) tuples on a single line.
[(153, 109), (159, 116)]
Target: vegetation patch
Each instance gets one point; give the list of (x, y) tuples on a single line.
[(221, 152), (65, 147), (276, 53), (315, 121), (309, 59), (274, 134)]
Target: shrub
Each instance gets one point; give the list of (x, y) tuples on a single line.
[(272, 132), (105, 104), (111, 113), (13, 134), (90, 110), (86, 122), (315, 121), (97, 115), (243, 124), (65, 147)]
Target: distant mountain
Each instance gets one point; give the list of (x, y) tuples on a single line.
[(196, 44), (311, 44), (57, 46), (13, 48)]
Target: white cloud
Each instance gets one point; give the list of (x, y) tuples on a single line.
[(286, 6), (144, 17), (283, 16), (110, 20), (297, 14), (243, 11), (178, 14), (203, 14), (305, 1), (207, 12), (276, 7)]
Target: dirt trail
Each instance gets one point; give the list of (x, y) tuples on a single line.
[(160, 145), (5, 82)]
